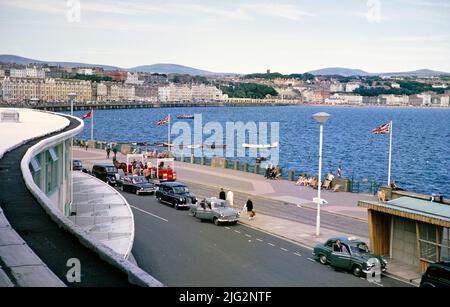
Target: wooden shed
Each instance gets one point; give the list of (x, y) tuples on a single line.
[(410, 230)]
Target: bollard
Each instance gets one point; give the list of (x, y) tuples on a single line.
[(181, 158), (256, 170), (245, 167), (202, 160), (236, 165), (291, 175), (225, 165), (192, 159)]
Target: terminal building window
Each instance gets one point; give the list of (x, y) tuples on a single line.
[(51, 165), (36, 168)]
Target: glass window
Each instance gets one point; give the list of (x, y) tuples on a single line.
[(35, 164), (434, 243), (54, 153)]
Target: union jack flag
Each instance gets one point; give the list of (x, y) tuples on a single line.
[(163, 121), (384, 129)]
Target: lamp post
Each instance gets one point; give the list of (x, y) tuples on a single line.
[(321, 118)]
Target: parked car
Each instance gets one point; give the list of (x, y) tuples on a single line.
[(77, 165), (136, 184), (215, 210), (175, 194), (106, 173), (354, 256), (437, 275)]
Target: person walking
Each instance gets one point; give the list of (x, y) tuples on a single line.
[(108, 151), (230, 199), (222, 194), (250, 212), (115, 151)]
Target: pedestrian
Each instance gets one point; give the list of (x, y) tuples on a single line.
[(222, 194), (108, 151), (87, 145), (230, 199), (115, 151), (250, 212)]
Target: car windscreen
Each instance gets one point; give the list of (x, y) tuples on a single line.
[(139, 180), (77, 163), (360, 248), (111, 169), (180, 190)]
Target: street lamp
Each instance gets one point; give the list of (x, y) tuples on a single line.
[(72, 97), (321, 118)]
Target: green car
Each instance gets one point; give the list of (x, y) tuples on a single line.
[(350, 254)]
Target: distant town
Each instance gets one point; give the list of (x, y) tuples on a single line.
[(42, 84)]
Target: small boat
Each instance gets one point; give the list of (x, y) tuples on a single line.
[(185, 116), (262, 146)]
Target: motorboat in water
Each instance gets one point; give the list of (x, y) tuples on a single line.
[(261, 146), (185, 116)]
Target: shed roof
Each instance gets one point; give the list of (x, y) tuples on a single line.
[(413, 208)]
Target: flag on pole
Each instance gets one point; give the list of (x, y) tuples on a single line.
[(386, 129), (163, 121), (383, 129), (339, 171), (88, 115)]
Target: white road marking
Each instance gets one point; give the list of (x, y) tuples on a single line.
[(154, 215), (283, 249), (271, 244), (260, 240), (311, 259), (237, 231), (248, 235), (378, 284), (226, 227), (297, 254)]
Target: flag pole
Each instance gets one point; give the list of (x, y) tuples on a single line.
[(390, 154), (92, 125), (168, 134)]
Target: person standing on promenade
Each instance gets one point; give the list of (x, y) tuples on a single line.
[(115, 151), (230, 199), (108, 151), (222, 194), (250, 212), (87, 145)]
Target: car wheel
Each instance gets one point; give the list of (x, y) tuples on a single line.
[(323, 259), (357, 270), (216, 221)]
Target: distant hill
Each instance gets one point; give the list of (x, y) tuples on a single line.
[(170, 69), (26, 61), (347, 72), (155, 68)]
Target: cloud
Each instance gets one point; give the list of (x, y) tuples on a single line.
[(436, 38), (284, 11), (433, 4), (121, 7)]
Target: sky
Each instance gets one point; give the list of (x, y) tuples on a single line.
[(243, 36)]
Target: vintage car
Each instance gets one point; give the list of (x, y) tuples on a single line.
[(77, 165), (215, 210), (353, 256), (136, 184), (105, 172), (175, 194), (437, 275)]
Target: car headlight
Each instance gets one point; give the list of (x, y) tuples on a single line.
[(384, 261), (221, 215), (181, 199)]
